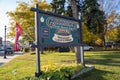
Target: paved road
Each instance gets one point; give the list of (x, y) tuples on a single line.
[(9, 57)]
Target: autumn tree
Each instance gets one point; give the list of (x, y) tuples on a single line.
[(112, 34), (25, 18), (110, 8), (88, 37), (118, 35)]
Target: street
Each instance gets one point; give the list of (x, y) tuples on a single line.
[(9, 57)]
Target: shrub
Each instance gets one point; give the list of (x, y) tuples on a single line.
[(32, 52), (26, 49), (61, 73)]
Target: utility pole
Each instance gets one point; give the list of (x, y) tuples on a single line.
[(5, 45)]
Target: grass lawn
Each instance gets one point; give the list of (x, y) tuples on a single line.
[(107, 65)]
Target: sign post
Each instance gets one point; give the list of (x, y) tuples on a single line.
[(37, 31), (37, 25)]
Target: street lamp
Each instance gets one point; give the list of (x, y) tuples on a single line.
[(5, 45)]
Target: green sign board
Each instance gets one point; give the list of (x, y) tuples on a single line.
[(58, 31)]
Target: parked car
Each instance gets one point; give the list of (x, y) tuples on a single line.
[(1, 49), (66, 49), (9, 50), (109, 44), (63, 49), (88, 48)]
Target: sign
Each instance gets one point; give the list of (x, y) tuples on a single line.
[(54, 30), (58, 31)]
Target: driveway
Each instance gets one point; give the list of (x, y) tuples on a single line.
[(9, 57)]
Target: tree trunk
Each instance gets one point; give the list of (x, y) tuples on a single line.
[(102, 36), (75, 15)]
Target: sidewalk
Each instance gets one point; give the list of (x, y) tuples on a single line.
[(9, 57)]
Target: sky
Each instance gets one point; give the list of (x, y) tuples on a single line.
[(7, 6), (10, 5)]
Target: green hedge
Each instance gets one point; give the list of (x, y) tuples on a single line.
[(26, 49)]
